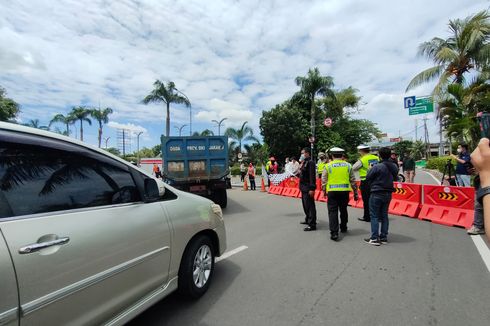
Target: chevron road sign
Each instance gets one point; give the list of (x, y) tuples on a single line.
[(448, 196)]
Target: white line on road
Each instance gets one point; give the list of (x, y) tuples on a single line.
[(437, 181), (231, 253), (482, 249), (481, 246)]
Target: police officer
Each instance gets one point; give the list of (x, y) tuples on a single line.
[(365, 162), (338, 181), (307, 185), (322, 162)]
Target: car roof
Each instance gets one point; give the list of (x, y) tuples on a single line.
[(43, 133)]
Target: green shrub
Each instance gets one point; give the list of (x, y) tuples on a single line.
[(439, 163)]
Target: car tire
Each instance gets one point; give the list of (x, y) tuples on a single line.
[(220, 197), (196, 268)]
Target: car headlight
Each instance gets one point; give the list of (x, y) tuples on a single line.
[(217, 210)]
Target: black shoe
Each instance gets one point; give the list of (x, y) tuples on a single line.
[(304, 222), (343, 230), (363, 219), (334, 237), (372, 242), (383, 240), (309, 228)]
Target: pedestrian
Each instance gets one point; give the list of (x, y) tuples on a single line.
[(408, 166), (293, 167), (478, 226), (243, 171), (365, 162), (338, 181), (463, 166), (380, 179), (251, 175), (480, 158), (156, 171), (307, 185), (322, 161)]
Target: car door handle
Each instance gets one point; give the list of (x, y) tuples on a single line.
[(41, 245)]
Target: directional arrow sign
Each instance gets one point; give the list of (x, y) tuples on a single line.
[(409, 102), (422, 105), (448, 196)]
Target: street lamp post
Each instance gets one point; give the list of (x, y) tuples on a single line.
[(180, 129), (190, 111), (219, 123), (138, 146), (106, 140)]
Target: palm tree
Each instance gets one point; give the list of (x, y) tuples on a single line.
[(466, 49), (81, 114), (67, 120), (245, 133), (207, 132), (166, 94), (418, 149), (311, 85), (102, 117), (35, 124)]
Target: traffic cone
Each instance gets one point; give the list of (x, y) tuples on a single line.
[(262, 188), (245, 185)]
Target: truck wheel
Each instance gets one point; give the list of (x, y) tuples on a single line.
[(221, 198), (196, 268)]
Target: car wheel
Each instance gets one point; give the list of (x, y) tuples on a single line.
[(196, 268)]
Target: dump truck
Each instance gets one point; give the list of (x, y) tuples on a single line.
[(198, 165)]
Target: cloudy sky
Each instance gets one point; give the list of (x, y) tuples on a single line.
[(232, 59)]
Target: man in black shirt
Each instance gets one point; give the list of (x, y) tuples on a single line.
[(307, 185)]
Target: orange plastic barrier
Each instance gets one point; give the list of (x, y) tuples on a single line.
[(291, 182), (320, 196), (291, 192), (452, 206), (406, 200), (276, 190)]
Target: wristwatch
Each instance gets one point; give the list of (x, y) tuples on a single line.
[(482, 192)]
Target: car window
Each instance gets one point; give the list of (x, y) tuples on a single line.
[(37, 179)]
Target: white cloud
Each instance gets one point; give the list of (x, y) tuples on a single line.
[(231, 59), (127, 126)]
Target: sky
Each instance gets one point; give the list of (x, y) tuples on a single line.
[(232, 59)]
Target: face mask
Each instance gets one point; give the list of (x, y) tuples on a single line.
[(459, 150), (302, 158)]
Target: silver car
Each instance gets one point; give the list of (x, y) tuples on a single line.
[(87, 238)]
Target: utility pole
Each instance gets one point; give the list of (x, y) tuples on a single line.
[(426, 138), (124, 142), (441, 144)]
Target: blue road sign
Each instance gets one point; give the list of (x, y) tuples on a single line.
[(409, 102)]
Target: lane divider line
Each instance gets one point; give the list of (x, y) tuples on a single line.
[(438, 182), (482, 249), (230, 253)]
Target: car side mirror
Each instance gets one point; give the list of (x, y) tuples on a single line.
[(152, 192)]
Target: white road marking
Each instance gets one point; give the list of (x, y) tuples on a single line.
[(482, 249), (438, 182), (480, 244), (230, 253)]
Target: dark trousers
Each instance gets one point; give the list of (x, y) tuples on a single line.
[(242, 176), (252, 182), (309, 208), (379, 205), (365, 193), (337, 202)]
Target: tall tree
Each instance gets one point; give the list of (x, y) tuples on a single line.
[(67, 120), (244, 133), (8, 107), (102, 117), (35, 123), (311, 85), (166, 94), (81, 114), (466, 49)]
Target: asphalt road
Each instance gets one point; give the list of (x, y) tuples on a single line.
[(427, 275)]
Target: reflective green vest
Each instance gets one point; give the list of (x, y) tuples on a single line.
[(320, 167), (338, 176), (367, 161)]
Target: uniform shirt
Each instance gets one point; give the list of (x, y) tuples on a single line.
[(352, 179), (307, 178)]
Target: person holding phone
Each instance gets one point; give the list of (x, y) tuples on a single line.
[(463, 174)]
